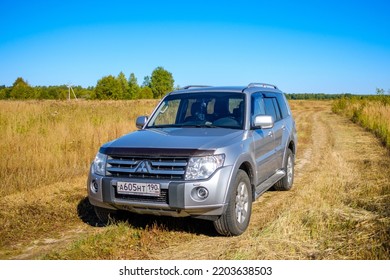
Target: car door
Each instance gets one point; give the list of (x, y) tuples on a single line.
[(272, 108), (263, 141)]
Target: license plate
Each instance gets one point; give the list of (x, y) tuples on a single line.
[(149, 189)]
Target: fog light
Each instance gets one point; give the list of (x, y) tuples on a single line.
[(94, 186), (202, 192)]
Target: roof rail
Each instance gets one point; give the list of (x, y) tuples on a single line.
[(193, 86), (262, 85)]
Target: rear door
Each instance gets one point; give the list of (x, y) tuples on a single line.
[(272, 108)]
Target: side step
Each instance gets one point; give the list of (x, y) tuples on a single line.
[(263, 187)]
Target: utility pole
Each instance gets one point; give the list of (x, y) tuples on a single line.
[(71, 89)]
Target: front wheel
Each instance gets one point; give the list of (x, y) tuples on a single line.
[(236, 218)]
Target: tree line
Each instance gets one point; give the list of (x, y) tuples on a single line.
[(316, 96), (159, 83)]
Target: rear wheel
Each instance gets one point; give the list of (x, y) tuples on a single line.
[(236, 218), (106, 216), (286, 182)]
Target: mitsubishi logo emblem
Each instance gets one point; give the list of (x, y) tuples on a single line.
[(143, 167)]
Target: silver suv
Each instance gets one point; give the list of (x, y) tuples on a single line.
[(205, 152)]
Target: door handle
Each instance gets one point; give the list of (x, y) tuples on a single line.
[(270, 134)]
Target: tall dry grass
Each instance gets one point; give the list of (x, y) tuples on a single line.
[(371, 112), (43, 142)]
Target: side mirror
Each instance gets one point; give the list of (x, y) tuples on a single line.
[(141, 121), (263, 121)]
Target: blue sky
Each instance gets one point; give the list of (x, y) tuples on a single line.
[(301, 46)]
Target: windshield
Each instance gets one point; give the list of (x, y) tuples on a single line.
[(216, 109)]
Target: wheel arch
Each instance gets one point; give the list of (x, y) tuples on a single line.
[(291, 146), (248, 169)]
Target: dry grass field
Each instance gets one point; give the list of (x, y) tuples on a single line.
[(339, 207), (373, 113), (43, 142)]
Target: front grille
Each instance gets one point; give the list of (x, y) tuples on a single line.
[(163, 198), (171, 168)]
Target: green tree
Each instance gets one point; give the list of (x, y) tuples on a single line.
[(21, 89), (145, 93), (380, 91), (124, 86), (133, 86), (107, 87), (161, 82), (3, 93), (146, 82)]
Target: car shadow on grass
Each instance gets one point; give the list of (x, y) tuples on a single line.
[(87, 214)]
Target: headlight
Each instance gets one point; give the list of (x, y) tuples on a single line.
[(203, 167), (99, 164)]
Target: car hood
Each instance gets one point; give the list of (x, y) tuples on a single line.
[(173, 141)]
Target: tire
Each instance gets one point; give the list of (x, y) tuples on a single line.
[(287, 181), (236, 218), (106, 216)]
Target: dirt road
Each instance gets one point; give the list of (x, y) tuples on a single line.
[(339, 208)]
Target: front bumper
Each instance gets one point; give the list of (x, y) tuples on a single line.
[(178, 198)]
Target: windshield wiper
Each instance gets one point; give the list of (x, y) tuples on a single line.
[(207, 124), (163, 126), (197, 125)]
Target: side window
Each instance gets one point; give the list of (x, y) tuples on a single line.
[(277, 109), (272, 108), (283, 106), (258, 106), (265, 104), (269, 108)]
